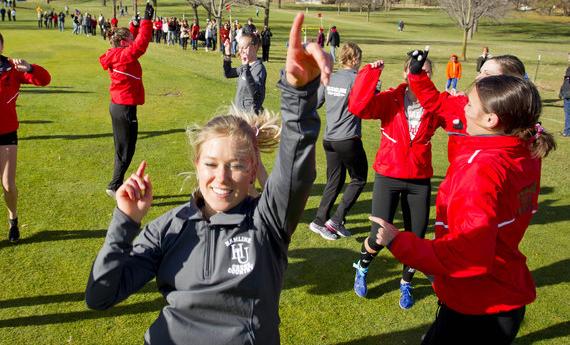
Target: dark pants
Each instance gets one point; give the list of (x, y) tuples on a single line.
[(125, 130), (342, 156), (451, 327), (265, 52), (415, 194)]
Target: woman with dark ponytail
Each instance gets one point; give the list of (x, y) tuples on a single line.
[(483, 208)]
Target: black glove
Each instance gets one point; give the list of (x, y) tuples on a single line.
[(149, 12), (418, 59)]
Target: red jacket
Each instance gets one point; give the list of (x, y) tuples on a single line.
[(10, 89), (398, 155), (134, 29), (224, 34), (114, 22), (450, 108), (483, 208), (157, 25), (125, 69), (195, 31)]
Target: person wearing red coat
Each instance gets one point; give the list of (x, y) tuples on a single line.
[(484, 206), (403, 164), (13, 73), (224, 35), (194, 34), (451, 106), (127, 92)]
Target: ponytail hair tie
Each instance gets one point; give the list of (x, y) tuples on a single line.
[(539, 130), (256, 131)]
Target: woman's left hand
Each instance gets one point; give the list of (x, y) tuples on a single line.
[(22, 65), (386, 233)]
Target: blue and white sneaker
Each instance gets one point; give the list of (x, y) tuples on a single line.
[(406, 298), (360, 287)]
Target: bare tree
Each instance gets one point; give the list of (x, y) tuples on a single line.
[(195, 4), (467, 13)]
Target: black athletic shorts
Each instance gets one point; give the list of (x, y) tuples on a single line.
[(9, 138)]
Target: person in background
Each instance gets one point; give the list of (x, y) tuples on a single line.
[(565, 95), (321, 38), (482, 59), (265, 43), (334, 41), (453, 74), (343, 148), (127, 91), (13, 73)]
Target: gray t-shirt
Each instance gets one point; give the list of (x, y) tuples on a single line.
[(341, 124)]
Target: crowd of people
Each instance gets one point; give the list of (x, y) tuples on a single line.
[(219, 259)]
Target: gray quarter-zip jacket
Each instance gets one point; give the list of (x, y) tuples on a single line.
[(250, 92), (221, 277), (341, 124)]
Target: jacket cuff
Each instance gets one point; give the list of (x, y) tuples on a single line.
[(311, 87), (122, 228)]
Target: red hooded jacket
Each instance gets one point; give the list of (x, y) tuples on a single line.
[(125, 70), (10, 82), (398, 155), (483, 208)]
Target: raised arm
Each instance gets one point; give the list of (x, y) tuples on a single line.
[(30, 73), (287, 189), (229, 71), (140, 44), (364, 101)]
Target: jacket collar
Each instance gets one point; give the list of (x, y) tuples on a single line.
[(470, 143), (234, 216)]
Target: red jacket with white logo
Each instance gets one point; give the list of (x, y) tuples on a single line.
[(483, 208), (398, 155), (450, 108), (10, 89), (125, 69)]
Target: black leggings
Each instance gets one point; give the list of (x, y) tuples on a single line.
[(342, 156), (415, 194), (451, 327), (125, 131)]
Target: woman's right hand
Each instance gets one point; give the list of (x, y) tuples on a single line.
[(134, 197), (377, 64), (305, 63)]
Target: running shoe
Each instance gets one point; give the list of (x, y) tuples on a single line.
[(339, 229), (406, 298), (360, 287), (14, 234), (323, 231), (110, 193)]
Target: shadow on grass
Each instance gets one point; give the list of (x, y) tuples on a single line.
[(407, 336), (181, 199), (35, 320), (56, 235), (553, 274), (51, 91), (553, 103), (559, 330), (58, 298), (314, 270), (142, 135), (35, 122)]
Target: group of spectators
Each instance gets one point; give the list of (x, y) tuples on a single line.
[(8, 11)]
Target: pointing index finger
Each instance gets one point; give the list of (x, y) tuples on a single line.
[(295, 35), (140, 169)]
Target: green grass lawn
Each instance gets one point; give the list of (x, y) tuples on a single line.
[(65, 161)]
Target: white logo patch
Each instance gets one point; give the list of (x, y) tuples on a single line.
[(240, 255)]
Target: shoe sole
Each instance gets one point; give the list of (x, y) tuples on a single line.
[(319, 232)]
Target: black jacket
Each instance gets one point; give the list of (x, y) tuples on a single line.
[(565, 88)]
